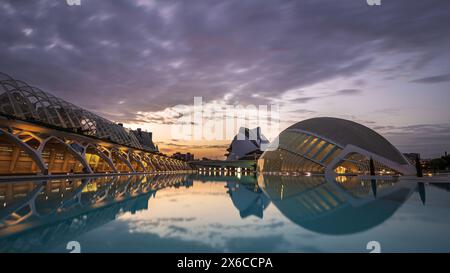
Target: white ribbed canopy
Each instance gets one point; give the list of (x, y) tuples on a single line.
[(344, 132)]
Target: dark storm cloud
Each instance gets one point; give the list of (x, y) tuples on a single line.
[(183, 146), (343, 92), (346, 92), (428, 139), (303, 99), (434, 79), (120, 57)]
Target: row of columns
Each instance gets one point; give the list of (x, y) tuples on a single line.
[(143, 161)]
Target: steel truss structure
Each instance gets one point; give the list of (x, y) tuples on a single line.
[(43, 134)]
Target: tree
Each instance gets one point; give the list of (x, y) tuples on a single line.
[(438, 164), (418, 167)]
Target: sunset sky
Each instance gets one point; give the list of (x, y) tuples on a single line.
[(142, 62)]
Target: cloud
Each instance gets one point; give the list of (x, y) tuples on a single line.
[(177, 229), (303, 100), (346, 92), (431, 140), (133, 61), (433, 79), (132, 56), (248, 244), (343, 92), (195, 146)]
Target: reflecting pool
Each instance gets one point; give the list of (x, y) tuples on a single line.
[(210, 213)]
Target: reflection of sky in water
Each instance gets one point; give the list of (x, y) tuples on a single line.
[(204, 218), (267, 214)]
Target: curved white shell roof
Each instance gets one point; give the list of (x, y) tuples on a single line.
[(25, 102), (343, 132)]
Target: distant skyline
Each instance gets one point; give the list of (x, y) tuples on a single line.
[(137, 61)]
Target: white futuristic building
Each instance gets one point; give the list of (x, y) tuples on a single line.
[(43, 134), (332, 146), (247, 144)]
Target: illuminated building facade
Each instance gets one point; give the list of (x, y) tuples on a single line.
[(332, 146), (40, 133)]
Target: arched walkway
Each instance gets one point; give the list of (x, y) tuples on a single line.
[(61, 157)]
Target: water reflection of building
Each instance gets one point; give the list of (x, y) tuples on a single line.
[(248, 198), (331, 207), (37, 216), (243, 190), (331, 145)]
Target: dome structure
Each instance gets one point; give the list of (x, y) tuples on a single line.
[(327, 145)]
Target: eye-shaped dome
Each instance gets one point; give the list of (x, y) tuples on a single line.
[(323, 144), (344, 132)]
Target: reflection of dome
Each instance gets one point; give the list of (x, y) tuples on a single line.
[(319, 145), (247, 199), (325, 207)]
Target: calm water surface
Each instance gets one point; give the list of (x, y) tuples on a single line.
[(193, 213)]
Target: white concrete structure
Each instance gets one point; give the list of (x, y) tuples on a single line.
[(333, 146), (246, 144), (43, 134)]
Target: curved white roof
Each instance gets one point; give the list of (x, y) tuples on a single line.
[(25, 102), (343, 132)]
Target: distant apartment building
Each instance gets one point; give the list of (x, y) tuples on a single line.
[(184, 157), (412, 157), (145, 139)]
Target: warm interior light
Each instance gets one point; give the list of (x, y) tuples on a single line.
[(341, 170)]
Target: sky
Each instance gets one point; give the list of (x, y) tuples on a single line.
[(142, 63)]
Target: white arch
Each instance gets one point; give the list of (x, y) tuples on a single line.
[(29, 150), (349, 149), (123, 159), (81, 158), (137, 158), (102, 155), (38, 138), (149, 162)]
